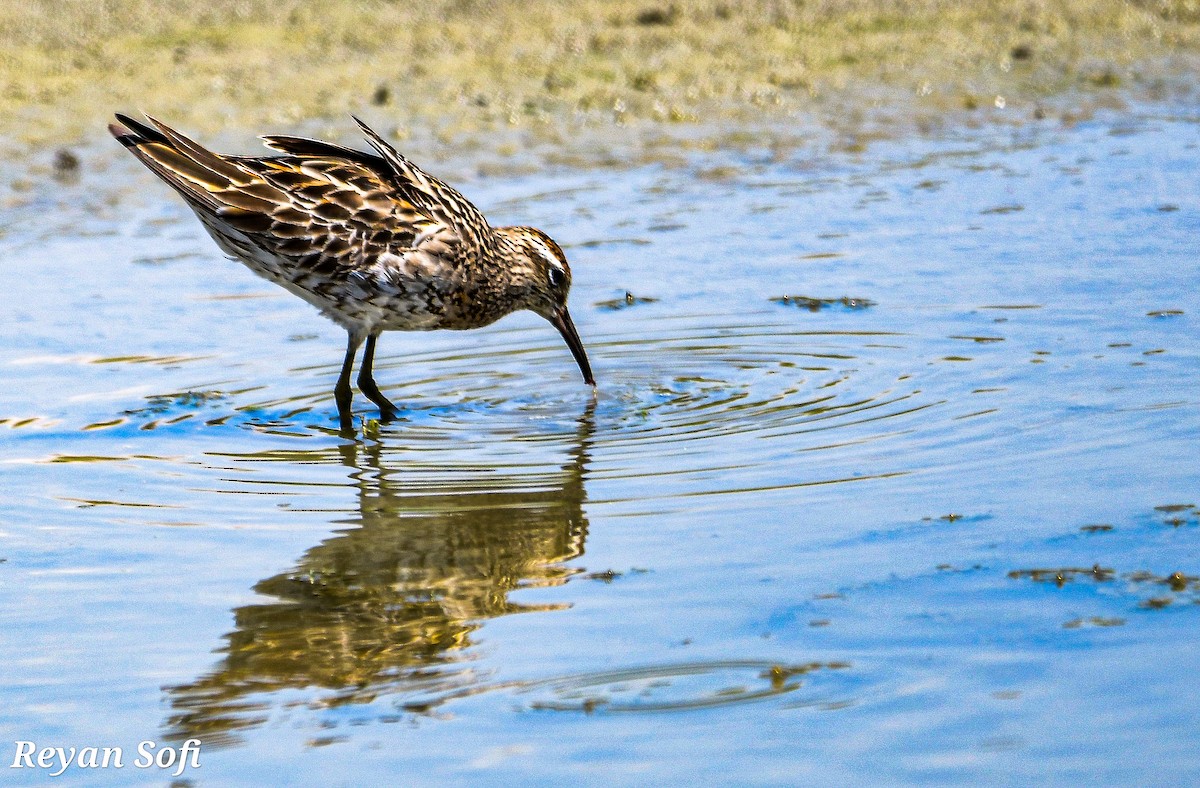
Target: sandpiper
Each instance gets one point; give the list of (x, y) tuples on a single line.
[(370, 239)]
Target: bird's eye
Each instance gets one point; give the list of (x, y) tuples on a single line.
[(556, 276)]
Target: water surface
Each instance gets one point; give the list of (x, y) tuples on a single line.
[(891, 471)]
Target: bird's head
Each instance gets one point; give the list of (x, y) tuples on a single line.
[(542, 280)]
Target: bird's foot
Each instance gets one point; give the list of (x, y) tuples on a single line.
[(387, 411)]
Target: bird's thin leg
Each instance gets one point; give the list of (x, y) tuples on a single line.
[(366, 382), (341, 392)]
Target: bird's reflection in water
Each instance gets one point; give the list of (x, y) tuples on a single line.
[(387, 606)]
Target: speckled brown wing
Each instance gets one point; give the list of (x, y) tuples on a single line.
[(436, 199), (310, 219), (326, 214)]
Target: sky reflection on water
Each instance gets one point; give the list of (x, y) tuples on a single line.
[(933, 516)]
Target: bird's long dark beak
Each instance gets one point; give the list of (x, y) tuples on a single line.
[(562, 321)]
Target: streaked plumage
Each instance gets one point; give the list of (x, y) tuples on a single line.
[(370, 239)]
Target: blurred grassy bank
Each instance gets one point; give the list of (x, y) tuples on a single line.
[(457, 68)]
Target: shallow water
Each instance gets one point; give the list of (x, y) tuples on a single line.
[(932, 516)]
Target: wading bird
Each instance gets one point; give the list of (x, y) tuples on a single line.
[(369, 239)]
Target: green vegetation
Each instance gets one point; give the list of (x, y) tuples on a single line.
[(473, 65)]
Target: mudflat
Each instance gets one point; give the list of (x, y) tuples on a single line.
[(463, 67)]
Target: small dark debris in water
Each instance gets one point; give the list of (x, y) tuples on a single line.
[(1011, 306), (1096, 621), (1061, 577), (1039, 112), (817, 304), (623, 303), (1021, 52), (932, 185), (1164, 313), (609, 241), (302, 337), (66, 163), (1178, 581), (1171, 508), (821, 256), (778, 674), (719, 173), (417, 708), (1156, 603), (325, 741), (1104, 79), (1041, 353), (980, 339), (1095, 529), (1002, 209), (381, 95), (830, 595), (591, 704), (161, 403), (1100, 621), (819, 622), (956, 358), (951, 517), (1154, 352), (1119, 344), (1168, 207), (607, 576), (958, 569)]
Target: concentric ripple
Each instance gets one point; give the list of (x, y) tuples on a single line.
[(686, 405)]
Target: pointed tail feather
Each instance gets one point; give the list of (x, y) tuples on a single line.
[(306, 146), (403, 167), (201, 155), (193, 171), (428, 193), (137, 129), (123, 135)]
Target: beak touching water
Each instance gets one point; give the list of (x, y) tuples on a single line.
[(562, 321)]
